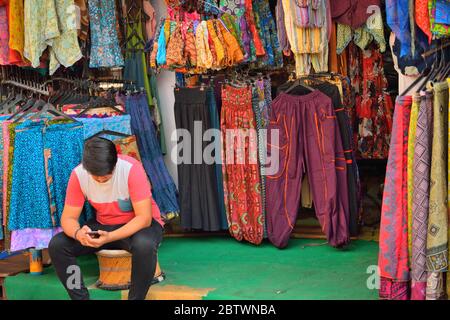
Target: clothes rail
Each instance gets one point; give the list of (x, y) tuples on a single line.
[(27, 87)]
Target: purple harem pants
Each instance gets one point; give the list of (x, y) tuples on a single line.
[(309, 142)]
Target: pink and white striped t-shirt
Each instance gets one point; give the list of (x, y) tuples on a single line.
[(113, 200)]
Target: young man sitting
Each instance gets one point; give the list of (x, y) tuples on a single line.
[(127, 217)]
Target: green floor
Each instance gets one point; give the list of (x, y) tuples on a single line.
[(237, 271)]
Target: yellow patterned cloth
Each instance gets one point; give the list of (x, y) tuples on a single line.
[(309, 45), (411, 143), (16, 32), (51, 23), (437, 235)]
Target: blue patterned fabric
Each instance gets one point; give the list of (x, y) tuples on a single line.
[(66, 144), (105, 50), (93, 126), (397, 16), (30, 201), (163, 188)]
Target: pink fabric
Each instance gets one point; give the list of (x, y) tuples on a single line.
[(5, 125), (418, 290), (4, 36)]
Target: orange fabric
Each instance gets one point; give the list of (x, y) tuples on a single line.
[(422, 17), (16, 31), (235, 54), (219, 51), (333, 57), (190, 51), (175, 57)]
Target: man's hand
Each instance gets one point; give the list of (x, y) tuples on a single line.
[(83, 237), (102, 240)]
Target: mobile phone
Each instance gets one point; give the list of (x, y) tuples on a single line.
[(94, 234)]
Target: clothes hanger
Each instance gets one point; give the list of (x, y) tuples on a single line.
[(111, 133), (28, 105), (50, 109)]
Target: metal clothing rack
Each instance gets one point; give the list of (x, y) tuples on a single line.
[(40, 88)]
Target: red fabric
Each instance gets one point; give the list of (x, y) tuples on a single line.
[(422, 16), (352, 12), (394, 258), (242, 185)]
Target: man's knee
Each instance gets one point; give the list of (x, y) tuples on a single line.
[(144, 242), (58, 244)]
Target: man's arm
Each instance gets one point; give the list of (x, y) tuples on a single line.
[(142, 220), (69, 220)]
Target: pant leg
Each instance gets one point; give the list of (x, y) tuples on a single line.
[(143, 246), (326, 167), (64, 251), (351, 176), (283, 188)]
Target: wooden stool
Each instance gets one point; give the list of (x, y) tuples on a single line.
[(115, 270)]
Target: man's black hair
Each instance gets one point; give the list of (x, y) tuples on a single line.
[(99, 156)]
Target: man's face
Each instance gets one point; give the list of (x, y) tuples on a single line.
[(102, 179)]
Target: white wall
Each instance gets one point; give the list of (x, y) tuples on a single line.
[(166, 85)]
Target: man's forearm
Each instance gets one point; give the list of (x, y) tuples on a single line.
[(138, 223), (70, 227)]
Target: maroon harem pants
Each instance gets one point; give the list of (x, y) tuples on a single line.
[(309, 142)]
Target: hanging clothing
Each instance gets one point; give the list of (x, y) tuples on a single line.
[(199, 204), (437, 235), (83, 32), (439, 21), (422, 17), (343, 124), (4, 36), (128, 146), (105, 49), (242, 186), (393, 256), (421, 195), (397, 15), (32, 238), (309, 142), (411, 154), (163, 188), (47, 23), (16, 27), (214, 111), (92, 126), (30, 205), (353, 13)]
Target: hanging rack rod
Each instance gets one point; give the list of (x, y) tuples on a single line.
[(24, 86), (430, 52)]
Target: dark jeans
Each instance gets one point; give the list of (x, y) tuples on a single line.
[(143, 245)]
